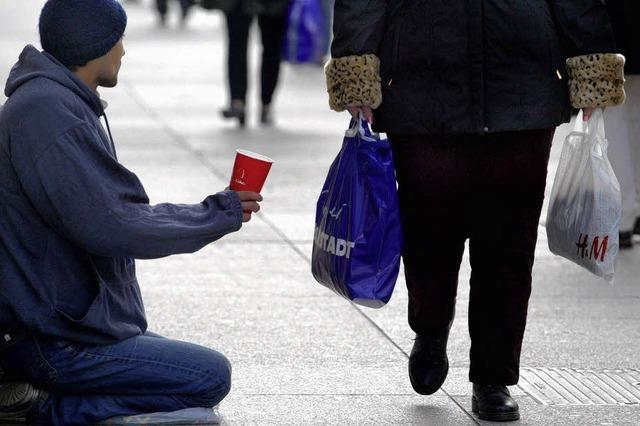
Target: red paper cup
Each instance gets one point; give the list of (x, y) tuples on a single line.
[(250, 170)]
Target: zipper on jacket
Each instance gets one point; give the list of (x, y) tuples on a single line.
[(395, 54), (393, 14)]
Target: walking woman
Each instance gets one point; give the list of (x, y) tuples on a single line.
[(271, 16), (470, 92)]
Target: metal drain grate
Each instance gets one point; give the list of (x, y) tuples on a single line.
[(566, 386)]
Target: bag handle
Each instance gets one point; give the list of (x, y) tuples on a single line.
[(595, 123), (595, 128), (361, 126), (578, 126)]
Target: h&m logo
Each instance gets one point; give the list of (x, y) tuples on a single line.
[(598, 248)]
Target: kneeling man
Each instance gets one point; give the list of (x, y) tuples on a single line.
[(74, 345)]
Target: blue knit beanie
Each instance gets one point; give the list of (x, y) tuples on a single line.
[(77, 31)]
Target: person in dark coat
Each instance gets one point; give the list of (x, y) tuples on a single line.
[(622, 124), (75, 347), (469, 93), (271, 16)]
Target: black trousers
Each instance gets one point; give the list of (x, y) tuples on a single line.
[(488, 189), (272, 30)]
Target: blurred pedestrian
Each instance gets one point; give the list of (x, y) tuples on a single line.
[(163, 8), (75, 348), (469, 93), (623, 123), (271, 16)]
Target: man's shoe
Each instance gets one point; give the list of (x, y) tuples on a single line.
[(494, 403), (636, 228), (16, 401), (625, 240), (428, 363)]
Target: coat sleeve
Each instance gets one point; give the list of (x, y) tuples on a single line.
[(596, 73), (91, 199), (353, 74)]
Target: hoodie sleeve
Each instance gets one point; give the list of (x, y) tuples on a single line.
[(94, 201)]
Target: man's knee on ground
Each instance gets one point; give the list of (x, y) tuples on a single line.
[(216, 383)]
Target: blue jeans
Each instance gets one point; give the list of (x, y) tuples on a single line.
[(143, 374)]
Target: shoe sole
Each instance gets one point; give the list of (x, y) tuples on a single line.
[(493, 417), (13, 422), (13, 398), (13, 393)]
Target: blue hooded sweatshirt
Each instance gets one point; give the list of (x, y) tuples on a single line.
[(72, 218)]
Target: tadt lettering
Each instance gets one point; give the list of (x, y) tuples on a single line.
[(336, 246)]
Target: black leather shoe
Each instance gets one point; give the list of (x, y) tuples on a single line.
[(428, 363), (17, 399), (494, 403)]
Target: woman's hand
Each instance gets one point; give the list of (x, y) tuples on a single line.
[(586, 113), (366, 111)]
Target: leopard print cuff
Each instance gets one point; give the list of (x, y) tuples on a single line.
[(354, 81), (596, 80)]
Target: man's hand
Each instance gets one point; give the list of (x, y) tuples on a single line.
[(249, 201), (366, 112)]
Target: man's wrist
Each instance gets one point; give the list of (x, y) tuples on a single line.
[(234, 204)]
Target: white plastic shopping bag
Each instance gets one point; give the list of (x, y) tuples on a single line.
[(585, 206)]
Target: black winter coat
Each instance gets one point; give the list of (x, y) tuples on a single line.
[(471, 66), (625, 18)]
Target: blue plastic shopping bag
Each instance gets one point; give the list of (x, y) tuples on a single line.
[(358, 236), (306, 37)]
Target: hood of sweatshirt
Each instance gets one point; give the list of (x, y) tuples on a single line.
[(34, 64)]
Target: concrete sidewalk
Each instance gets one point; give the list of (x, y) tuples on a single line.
[(302, 355)]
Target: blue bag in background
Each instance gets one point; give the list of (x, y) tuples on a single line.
[(306, 37), (358, 235)]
